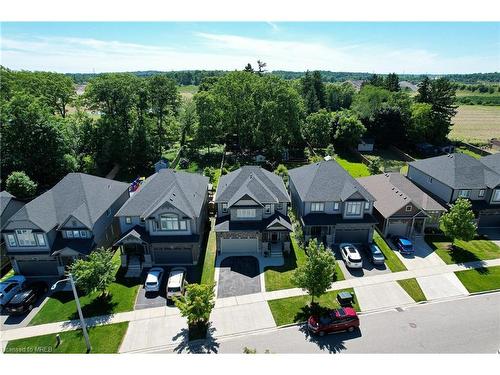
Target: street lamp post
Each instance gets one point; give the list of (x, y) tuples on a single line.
[(78, 307)]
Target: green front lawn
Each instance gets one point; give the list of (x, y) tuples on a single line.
[(391, 259), (208, 272), (413, 289), (463, 251), (480, 279), (61, 306), (103, 339), (296, 309), (7, 275)]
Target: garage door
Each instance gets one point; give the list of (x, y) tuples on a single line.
[(248, 245), (166, 256), (489, 221), (37, 268), (351, 235), (398, 228)]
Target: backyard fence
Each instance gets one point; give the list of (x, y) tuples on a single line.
[(475, 149), (401, 154)]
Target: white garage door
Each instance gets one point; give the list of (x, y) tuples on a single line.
[(249, 245)]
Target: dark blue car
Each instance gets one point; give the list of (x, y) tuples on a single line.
[(404, 245)]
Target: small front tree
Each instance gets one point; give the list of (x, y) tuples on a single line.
[(196, 306), (459, 222), (96, 272), (20, 185), (316, 274)]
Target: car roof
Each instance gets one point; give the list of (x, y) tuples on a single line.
[(152, 276), (20, 296), (175, 278), (404, 241)]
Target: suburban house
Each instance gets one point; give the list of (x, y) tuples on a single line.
[(9, 205), (164, 221), (401, 207), (331, 205), (66, 222), (449, 177), (492, 161), (252, 208)]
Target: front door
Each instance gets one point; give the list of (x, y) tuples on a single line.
[(274, 237)]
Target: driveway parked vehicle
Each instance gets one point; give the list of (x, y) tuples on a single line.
[(24, 300), (404, 245), (351, 255), (374, 254), (153, 280), (336, 320), (176, 282), (10, 287)]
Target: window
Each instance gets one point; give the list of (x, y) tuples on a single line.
[(481, 193), (128, 220), (268, 208), (41, 239), (76, 234), (224, 207), (83, 233), (430, 180), (11, 239), (25, 237), (353, 209), (408, 208), (69, 233), (245, 213), (183, 225), (317, 207), (496, 195), (169, 222), (464, 193), (367, 205), (336, 206)]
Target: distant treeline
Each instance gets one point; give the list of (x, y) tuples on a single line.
[(194, 77)]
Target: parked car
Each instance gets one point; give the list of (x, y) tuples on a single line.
[(24, 300), (10, 287), (176, 282), (153, 280), (343, 319), (403, 244), (351, 255), (374, 254)]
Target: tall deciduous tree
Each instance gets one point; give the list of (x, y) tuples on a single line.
[(347, 129), (339, 96), (317, 129), (459, 222)]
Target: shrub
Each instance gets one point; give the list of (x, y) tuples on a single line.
[(20, 185)]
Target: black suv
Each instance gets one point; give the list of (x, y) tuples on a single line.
[(24, 300)]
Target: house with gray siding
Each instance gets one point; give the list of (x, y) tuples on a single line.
[(331, 205), (252, 213), (448, 177), (9, 205), (401, 207), (164, 221), (66, 222)]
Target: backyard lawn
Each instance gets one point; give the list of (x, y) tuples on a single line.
[(413, 289), (466, 151), (61, 306), (351, 164), (463, 251), (391, 259), (103, 339), (390, 160), (296, 309), (480, 279)]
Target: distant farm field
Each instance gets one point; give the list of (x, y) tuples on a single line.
[(476, 123), (187, 92)]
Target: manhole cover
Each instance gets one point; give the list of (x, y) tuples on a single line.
[(413, 325)]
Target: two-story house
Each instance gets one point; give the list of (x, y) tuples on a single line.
[(401, 207), (9, 205), (64, 223), (164, 221), (449, 177), (252, 213), (332, 206)]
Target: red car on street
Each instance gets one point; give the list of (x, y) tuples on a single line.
[(343, 319)]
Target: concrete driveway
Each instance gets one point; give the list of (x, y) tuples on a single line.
[(441, 286), (368, 269), (379, 296), (424, 256), (238, 275)]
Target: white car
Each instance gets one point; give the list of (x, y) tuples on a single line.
[(176, 282), (10, 287), (351, 255), (153, 280)]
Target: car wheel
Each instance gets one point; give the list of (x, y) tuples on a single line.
[(350, 329), (321, 333)]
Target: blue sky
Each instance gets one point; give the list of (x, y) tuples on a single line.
[(338, 46)]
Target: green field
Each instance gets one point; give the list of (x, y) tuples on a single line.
[(476, 123), (187, 92)]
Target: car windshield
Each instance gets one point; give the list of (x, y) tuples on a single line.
[(352, 250), (151, 283), (354, 260), (174, 289)]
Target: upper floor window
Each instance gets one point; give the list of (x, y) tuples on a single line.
[(353, 208), (224, 207), (268, 208), (11, 239), (84, 233), (279, 206), (172, 222), (496, 195), (25, 237), (408, 208), (245, 213), (128, 220), (317, 206), (336, 206), (41, 239), (481, 193), (464, 193), (367, 205)]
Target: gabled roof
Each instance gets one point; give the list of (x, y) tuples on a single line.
[(80, 195), (459, 171), (394, 191), (325, 181), (261, 185), (492, 161), (184, 191), (5, 198), (9, 205)]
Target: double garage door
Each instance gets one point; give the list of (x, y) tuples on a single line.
[(172, 256), (247, 245), (37, 268), (352, 235), (489, 220)]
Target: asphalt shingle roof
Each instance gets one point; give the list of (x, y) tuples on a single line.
[(185, 191), (492, 161), (393, 191), (259, 184), (5, 198), (459, 171), (80, 195), (325, 181)]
